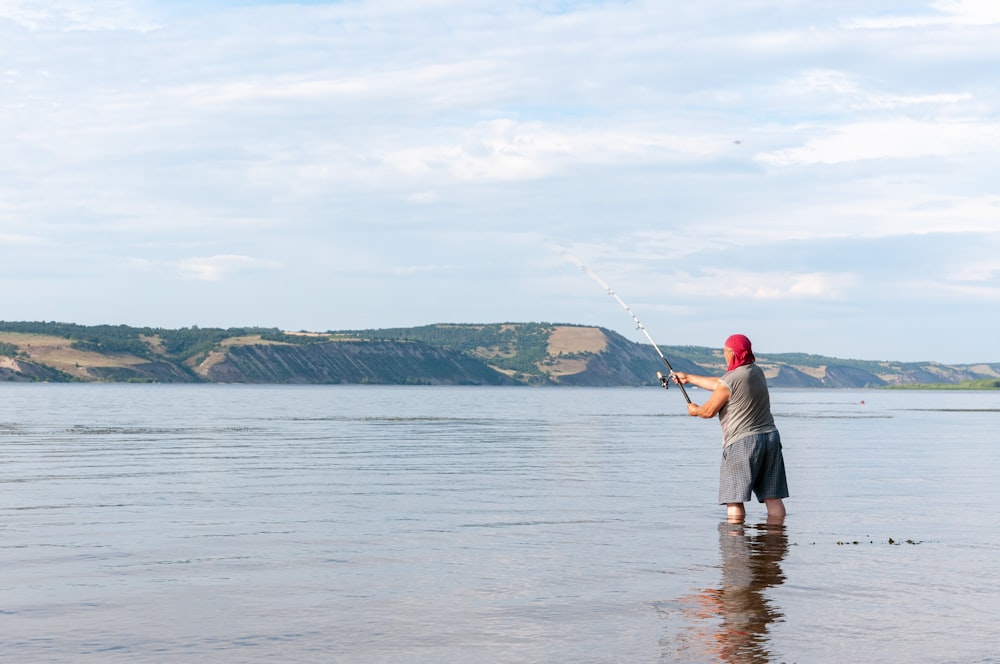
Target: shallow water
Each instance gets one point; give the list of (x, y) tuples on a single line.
[(423, 524)]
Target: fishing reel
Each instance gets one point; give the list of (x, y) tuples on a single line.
[(664, 380)]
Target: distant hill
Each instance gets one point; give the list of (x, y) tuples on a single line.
[(442, 354)]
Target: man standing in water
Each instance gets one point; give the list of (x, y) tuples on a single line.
[(751, 453)]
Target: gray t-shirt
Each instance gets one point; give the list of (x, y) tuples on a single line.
[(748, 410)]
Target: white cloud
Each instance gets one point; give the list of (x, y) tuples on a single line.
[(903, 138), (505, 149), (848, 92), (404, 270), (950, 291), (976, 271), (717, 283), (877, 213), (957, 13), (217, 268), (14, 239), (459, 82), (67, 15), (423, 197)]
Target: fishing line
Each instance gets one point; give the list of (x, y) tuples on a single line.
[(664, 380)]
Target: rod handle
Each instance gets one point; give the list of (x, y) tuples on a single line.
[(663, 378)]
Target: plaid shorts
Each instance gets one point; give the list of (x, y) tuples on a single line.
[(753, 463)]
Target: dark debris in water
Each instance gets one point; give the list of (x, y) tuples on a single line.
[(891, 542)]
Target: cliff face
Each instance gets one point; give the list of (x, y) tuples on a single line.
[(840, 376), (27, 371), (787, 376), (379, 362)]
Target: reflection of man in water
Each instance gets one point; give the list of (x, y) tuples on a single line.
[(730, 623)]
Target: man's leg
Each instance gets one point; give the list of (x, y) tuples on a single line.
[(775, 508), (735, 512)]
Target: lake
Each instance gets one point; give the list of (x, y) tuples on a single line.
[(177, 523)]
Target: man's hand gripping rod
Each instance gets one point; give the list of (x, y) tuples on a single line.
[(664, 380)]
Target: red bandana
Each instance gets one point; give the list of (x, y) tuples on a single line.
[(742, 354)]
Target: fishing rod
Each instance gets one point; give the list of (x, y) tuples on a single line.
[(664, 380)]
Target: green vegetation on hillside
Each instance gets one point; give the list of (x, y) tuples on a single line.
[(179, 344), (984, 384), (816, 361), (706, 357)]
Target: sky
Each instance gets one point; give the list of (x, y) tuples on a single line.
[(819, 176)]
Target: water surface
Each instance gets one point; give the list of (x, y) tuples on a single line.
[(421, 524)]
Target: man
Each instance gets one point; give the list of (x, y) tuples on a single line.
[(751, 453)]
